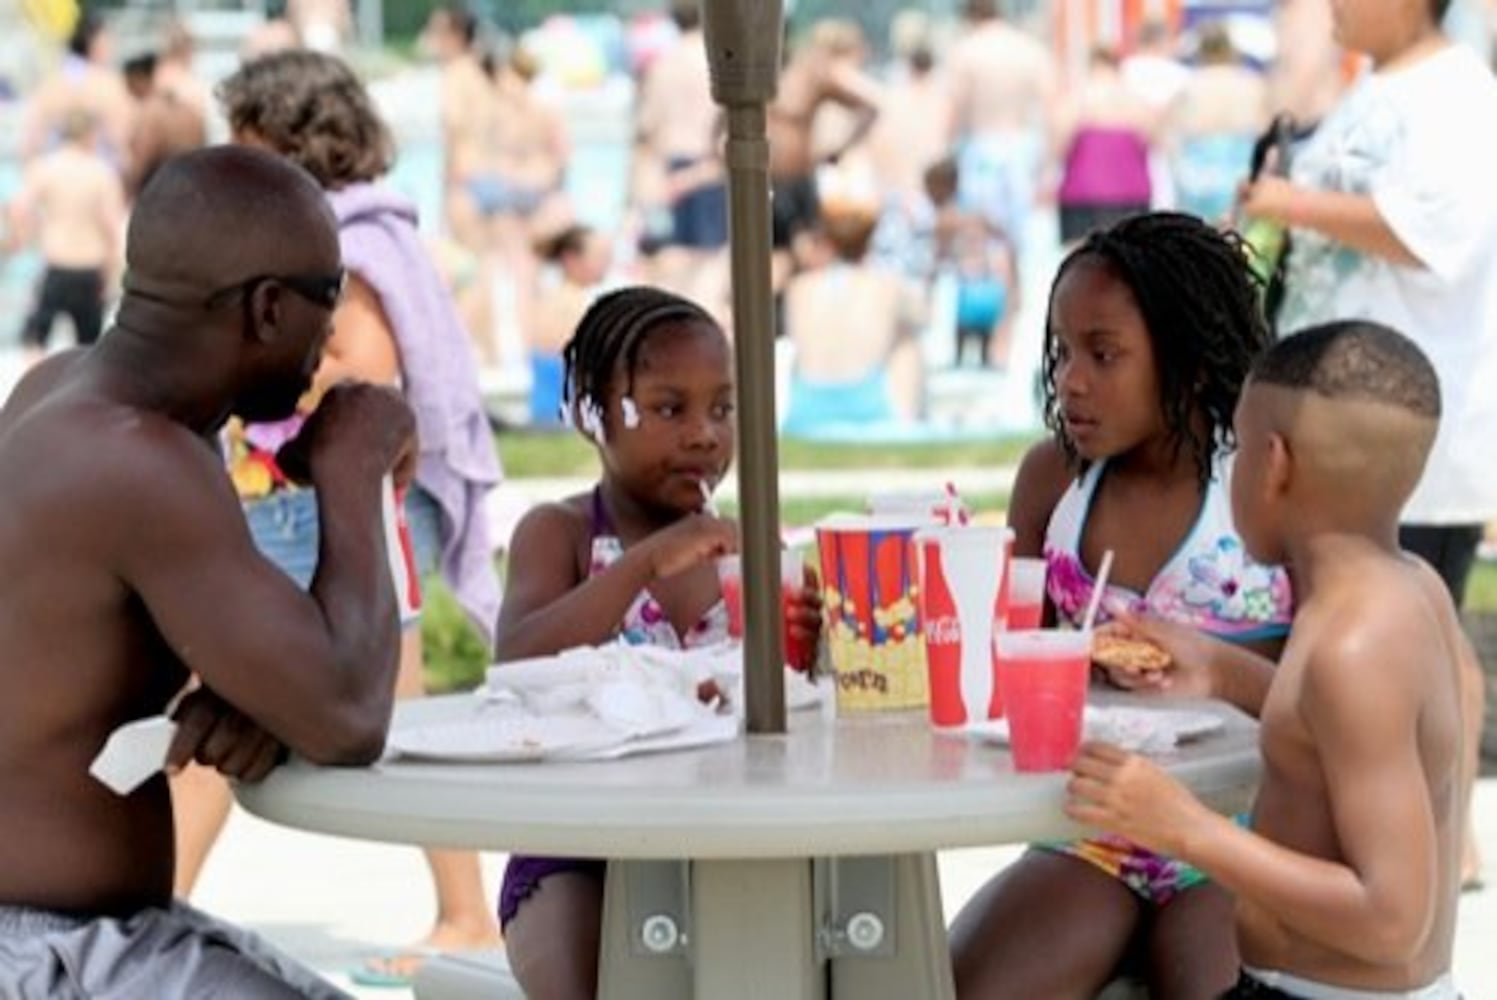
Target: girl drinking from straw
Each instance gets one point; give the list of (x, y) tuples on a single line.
[(1152, 328), (649, 381)]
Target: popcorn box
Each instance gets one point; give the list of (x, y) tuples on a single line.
[(873, 633)]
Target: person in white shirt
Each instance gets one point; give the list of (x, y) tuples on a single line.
[(1393, 218)]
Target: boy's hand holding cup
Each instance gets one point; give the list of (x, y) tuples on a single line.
[(1129, 795)]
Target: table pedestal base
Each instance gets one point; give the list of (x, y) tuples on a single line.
[(741, 930)]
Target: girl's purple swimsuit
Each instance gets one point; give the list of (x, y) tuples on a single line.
[(645, 623)]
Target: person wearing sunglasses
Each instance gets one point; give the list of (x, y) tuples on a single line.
[(393, 323), (129, 570)]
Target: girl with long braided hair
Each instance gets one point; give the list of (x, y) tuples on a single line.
[(649, 381), (1153, 326)]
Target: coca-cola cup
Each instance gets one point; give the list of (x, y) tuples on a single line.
[(962, 601)]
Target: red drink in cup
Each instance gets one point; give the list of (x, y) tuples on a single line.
[(1026, 616), (1026, 594), (792, 581), (730, 579), (1043, 674), (799, 655)]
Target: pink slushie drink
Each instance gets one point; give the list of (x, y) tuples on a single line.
[(730, 579), (1043, 675)]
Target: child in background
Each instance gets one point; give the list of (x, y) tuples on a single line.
[(649, 380), (583, 256), (1347, 881), (982, 258), (1152, 328)]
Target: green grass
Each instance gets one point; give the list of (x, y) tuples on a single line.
[(536, 454), (1481, 591), (454, 651)]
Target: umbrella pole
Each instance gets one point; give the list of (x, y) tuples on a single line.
[(743, 49), (758, 459)]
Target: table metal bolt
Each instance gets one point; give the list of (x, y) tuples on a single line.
[(660, 934), (865, 931)]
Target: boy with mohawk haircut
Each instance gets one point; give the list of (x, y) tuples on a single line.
[(1347, 879)]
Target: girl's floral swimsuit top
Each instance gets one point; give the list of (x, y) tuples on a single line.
[(1209, 583), (646, 623)]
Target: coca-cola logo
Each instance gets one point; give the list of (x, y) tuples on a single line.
[(944, 630)]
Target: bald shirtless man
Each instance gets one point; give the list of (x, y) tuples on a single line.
[(129, 567), (1004, 93), (1347, 881)]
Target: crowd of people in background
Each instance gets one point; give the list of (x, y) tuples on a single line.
[(967, 150)]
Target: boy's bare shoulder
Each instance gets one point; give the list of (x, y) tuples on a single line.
[(1435, 591), (1370, 629)]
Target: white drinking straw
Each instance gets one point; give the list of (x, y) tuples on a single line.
[(707, 506), (1098, 587)]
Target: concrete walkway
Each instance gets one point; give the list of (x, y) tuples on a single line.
[(333, 902)]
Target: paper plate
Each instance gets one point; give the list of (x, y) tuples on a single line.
[(500, 739)]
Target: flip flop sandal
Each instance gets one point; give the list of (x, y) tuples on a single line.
[(384, 971)]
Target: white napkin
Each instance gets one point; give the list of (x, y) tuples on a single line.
[(568, 681), (647, 697), (134, 753), (1148, 730), (800, 692), (641, 709)]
